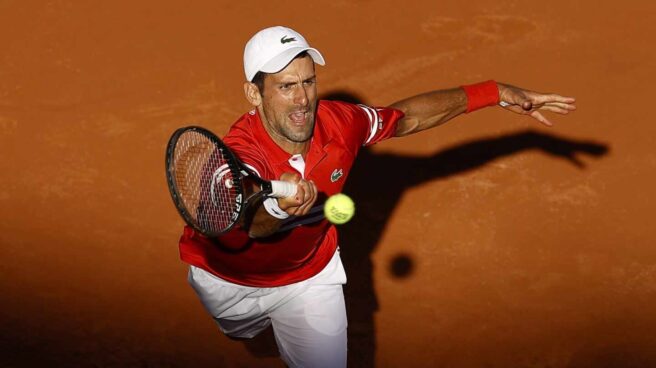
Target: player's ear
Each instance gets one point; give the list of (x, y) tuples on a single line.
[(252, 94)]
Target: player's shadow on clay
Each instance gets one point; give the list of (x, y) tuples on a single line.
[(377, 190)]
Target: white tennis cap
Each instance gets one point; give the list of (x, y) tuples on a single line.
[(271, 49)]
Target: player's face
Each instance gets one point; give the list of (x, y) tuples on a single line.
[(289, 103)]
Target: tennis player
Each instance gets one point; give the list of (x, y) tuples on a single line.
[(282, 266)]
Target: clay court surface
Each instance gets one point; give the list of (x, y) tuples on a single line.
[(489, 242)]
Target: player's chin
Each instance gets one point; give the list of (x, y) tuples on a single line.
[(301, 132), (301, 137)]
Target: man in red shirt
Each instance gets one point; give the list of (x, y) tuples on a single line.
[(282, 267)]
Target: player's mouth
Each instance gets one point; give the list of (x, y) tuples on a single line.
[(299, 117)]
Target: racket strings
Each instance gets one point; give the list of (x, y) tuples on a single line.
[(206, 183)]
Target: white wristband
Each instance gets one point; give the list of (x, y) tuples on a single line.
[(271, 206)]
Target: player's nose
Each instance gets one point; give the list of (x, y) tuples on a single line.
[(301, 96)]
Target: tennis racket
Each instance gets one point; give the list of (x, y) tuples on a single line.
[(207, 182)]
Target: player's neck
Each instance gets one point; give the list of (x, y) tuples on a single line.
[(293, 148)]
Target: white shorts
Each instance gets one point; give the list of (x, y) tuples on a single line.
[(308, 317)]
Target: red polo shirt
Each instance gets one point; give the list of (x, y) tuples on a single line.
[(305, 244)]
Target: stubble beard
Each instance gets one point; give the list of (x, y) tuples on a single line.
[(286, 127), (300, 136)]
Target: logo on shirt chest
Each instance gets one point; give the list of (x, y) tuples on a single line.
[(337, 173)]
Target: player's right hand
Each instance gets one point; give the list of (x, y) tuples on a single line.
[(305, 197)]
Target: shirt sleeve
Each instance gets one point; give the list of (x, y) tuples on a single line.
[(362, 125), (243, 146), (380, 121)]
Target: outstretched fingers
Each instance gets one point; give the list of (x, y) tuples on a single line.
[(539, 117), (556, 109), (562, 99), (543, 99), (527, 102), (562, 105)]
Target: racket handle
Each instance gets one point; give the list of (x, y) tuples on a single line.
[(282, 189)]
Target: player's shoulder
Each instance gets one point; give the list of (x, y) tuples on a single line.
[(245, 140), (340, 111), (243, 127), (334, 106)]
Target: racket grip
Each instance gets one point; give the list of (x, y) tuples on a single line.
[(282, 189)]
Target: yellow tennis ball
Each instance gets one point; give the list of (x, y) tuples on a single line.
[(339, 208)]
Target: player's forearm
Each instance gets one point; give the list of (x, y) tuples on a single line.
[(429, 110), (258, 221), (262, 224), (268, 217)]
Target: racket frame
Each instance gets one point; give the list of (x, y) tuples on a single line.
[(239, 172), (236, 167)]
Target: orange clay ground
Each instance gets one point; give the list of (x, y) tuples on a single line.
[(489, 242)]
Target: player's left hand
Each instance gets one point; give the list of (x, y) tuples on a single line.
[(525, 102)]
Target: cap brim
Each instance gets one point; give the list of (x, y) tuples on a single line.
[(280, 61)]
